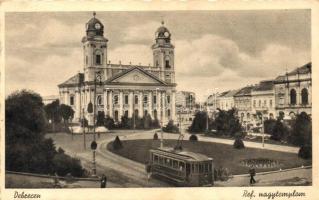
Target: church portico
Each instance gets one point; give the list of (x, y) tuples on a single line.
[(122, 90)]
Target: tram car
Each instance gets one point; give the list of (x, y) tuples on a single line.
[(182, 168)]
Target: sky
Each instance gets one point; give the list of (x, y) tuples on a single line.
[(214, 50)]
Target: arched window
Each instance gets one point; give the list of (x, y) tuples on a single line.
[(145, 100), (99, 100), (136, 113), (116, 115), (72, 100), (155, 114), (136, 99), (304, 96), (168, 113), (98, 57), (116, 99), (293, 97)]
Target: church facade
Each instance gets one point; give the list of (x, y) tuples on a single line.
[(118, 90)]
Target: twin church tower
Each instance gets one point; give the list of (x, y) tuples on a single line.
[(122, 89)]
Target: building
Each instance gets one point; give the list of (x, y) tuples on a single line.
[(242, 100), (226, 100), (185, 100), (120, 90), (293, 92), (263, 99), (212, 102), (49, 99)]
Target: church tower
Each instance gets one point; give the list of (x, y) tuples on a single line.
[(94, 49), (163, 54)]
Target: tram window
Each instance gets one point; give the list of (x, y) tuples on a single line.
[(206, 167), (160, 160), (155, 158), (200, 168), (196, 168), (175, 164), (193, 169), (181, 166), (210, 167)]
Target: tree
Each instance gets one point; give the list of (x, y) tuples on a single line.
[(100, 119), (199, 122), (171, 127), (239, 144), (117, 144), (279, 130), (227, 123), (301, 133), (67, 113), (193, 138), (26, 148), (109, 122), (52, 111)]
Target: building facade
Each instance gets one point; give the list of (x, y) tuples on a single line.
[(263, 99), (243, 99), (185, 100), (120, 90), (293, 92), (226, 100)]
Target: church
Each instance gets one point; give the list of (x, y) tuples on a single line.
[(118, 90)]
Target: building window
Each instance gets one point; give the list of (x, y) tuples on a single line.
[(145, 113), (99, 100), (86, 60), (154, 99), (259, 103), (168, 99), (135, 113), (155, 114), (254, 103), (72, 100), (126, 113), (270, 103), (304, 96), (168, 113), (157, 64), (293, 97), (116, 115), (98, 59), (136, 99), (126, 99), (145, 100), (116, 99), (167, 64), (265, 102)]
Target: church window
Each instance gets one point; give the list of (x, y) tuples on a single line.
[(154, 99), (167, 64), (304, 96), (157, 64), (168, 99), (254, 103), (155, 114), (126, 99), (293, 97), (116, 99), (99, 100), (270, 103), (126, 113), (86, 60), (145, 113), (136, 99), (145, 100), (168, 113), (116, 115), (259, 103), (72, 100), (98, 59), (265, 102)]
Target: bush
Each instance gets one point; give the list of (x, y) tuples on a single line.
[(305, 152), (64, 164), (279, 131), (155, 137), (117, 144), (171, 127), (239, 144), (301, 133), (193, 138)]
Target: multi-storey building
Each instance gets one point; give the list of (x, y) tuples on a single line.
[(116, 89), (293, 92), (226, 100), (243, 99)]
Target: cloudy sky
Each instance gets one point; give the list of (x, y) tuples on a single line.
[(214, 50)]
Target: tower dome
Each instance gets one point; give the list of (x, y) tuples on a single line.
[(94, 27), (162, 32)]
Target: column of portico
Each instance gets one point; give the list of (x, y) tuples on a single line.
[(105, 101), (140, 104), (110, 103), (65, 97), (150, 103), (130, 104), (173, 106), (121, 105), (164, 106), (77, 104)]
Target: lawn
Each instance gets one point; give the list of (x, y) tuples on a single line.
[(223, 155)]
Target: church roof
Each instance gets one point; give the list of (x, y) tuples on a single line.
[(74, 80), (301, 70)]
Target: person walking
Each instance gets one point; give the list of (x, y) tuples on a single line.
[(103, 181), (252, 173), (148, 169)]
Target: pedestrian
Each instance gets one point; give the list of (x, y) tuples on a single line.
[(103, 181), (252, 173), (148, 169)]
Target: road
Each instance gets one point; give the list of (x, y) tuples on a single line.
[(123, 172)]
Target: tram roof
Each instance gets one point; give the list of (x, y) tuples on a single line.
[(183, 155)]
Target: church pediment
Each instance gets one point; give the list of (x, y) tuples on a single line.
[(136, 76)]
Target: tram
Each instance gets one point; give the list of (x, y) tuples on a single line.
[(181, 168)]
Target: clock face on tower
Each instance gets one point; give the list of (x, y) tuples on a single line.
[(166, 34), (97, 26)]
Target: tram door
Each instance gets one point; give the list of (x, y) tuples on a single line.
[(188, 170)]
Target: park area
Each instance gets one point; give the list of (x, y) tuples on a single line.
[(224, 156)]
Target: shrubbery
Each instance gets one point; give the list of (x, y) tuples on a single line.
[(305, 152), (171, 127), (117, 144), (155, 137), (239, 144), (64, 164), (193, 138)]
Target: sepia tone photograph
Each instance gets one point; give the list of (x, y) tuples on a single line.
[(158, 99)]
